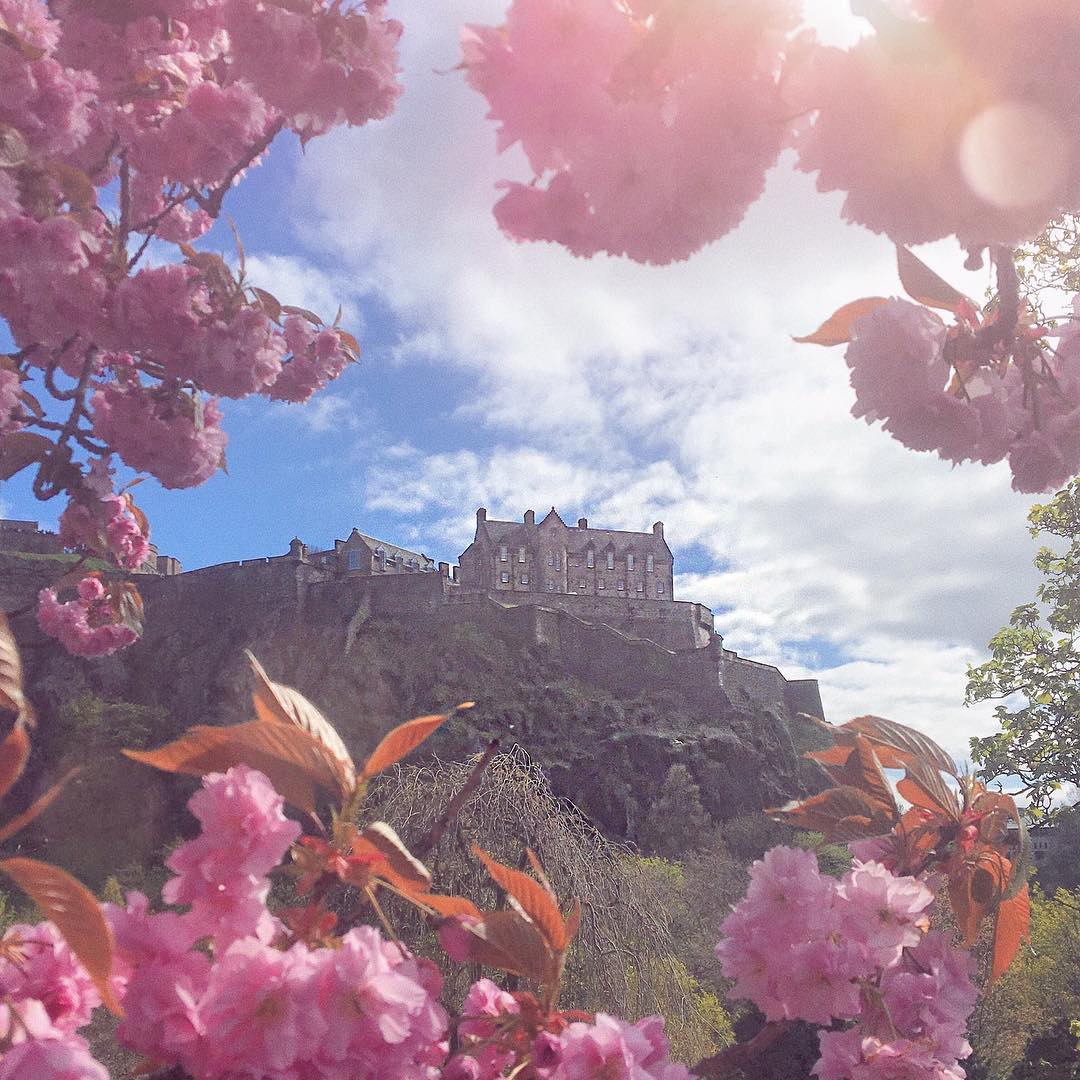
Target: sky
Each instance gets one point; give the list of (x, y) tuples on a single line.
[(520, 377)]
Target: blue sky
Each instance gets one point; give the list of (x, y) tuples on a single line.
[(519, 377)]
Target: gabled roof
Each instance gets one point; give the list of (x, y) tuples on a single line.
[(622, 540)]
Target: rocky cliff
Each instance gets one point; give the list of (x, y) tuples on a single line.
[(605, 742)]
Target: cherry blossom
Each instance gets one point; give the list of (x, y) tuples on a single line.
[(90, 625), (648, 137)]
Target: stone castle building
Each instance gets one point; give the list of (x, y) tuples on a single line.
[(602, 598)]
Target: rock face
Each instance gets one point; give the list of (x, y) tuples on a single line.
[(606, 737)]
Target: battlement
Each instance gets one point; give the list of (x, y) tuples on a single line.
[(601, 597)]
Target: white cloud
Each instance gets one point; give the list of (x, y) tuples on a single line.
[(632, 393)]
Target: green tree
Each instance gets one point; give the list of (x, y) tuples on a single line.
[(1035, 668), (676, 821)]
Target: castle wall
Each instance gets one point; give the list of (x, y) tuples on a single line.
[(26, 536), (672, 624)]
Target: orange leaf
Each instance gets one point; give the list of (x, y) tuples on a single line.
[(836, 329), (14, 751), (1010, 928), (448, 906), (399, 742), (76, 914), (293, 760), (573, 921), (534, 901), (922, 786), (275, 703), (922, 284), (38, 806)]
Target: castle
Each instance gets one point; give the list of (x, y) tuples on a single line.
[(602, 598)]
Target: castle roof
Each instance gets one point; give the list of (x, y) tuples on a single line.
[(577, 538)]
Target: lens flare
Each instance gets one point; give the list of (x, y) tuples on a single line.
[(1014, 154)]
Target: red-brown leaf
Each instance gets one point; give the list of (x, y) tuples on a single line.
[(76, 914), (533, 899), (505, 940), (11, 676), (295, 763), (402, 740), (906, 744), (1011, 927), (275, 703), (836, 329), (268, 302), (841, 813), (14, 752), (311, 317), (402, 869), (20, 449), (922, 284), (37, 807)]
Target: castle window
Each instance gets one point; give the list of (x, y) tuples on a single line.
[(590, 558), (659, 588), (600, 584), (524, 579), (551, 559), (622, 586), (354, 559), (551, 586), (641, 586), (611, 560), (648, 564), (504, 577), (521, 554), (630, 561), (581, 584), (504, 554), (558, 562)]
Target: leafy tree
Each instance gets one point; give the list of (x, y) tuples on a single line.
[(1035, 668), (676, 821), (1040, 988)]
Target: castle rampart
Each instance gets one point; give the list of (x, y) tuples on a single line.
[(620, 637)]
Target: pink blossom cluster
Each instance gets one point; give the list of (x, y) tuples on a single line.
[(123, 123), (606, 1048), (90, 625), (610, 1047), (47, 997), (800, 943), (901, 376), (649, 127), (915, 1028), (10, 410), (104, 525), (172, 434), (805, 946), (952, 118), (246, 1007)]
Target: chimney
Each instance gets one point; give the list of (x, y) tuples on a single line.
[(658, 529), (481, 515), (454, 573), (582, 523), (530, 517), (444, 569)]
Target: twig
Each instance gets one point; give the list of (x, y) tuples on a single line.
[(442, 822)]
